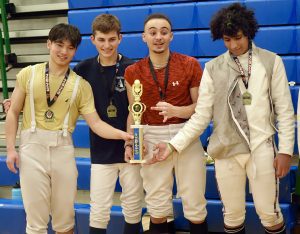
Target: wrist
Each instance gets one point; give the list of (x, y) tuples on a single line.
[(10, 148)]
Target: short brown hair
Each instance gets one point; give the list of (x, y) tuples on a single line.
[(157, 16), (106, 23)]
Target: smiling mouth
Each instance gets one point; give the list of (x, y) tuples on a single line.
[(62, 58)]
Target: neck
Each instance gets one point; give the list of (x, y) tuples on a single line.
[(56, 69), (108, 61), (159, 59)]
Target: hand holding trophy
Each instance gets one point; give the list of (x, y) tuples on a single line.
[(137, 109)]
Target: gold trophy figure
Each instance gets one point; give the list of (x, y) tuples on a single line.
[(137, 109)]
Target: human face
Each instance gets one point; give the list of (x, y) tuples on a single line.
[(107, 43), (238, 44), (61, 52), (158, 35)]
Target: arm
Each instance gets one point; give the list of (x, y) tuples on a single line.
[(128, 145), (11, 127), (196, 124), (183, 112), (283, 108), (103, 129)]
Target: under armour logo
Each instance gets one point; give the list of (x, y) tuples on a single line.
[(175, 83)]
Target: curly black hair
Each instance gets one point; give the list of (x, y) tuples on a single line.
[(230, 20)]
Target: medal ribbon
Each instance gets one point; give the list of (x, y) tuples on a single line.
[(162, 94), (244, 78), (60, 89)]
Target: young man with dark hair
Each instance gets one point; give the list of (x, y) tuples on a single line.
[(241, 91), (170, 89), (52, 97), (105, 74)]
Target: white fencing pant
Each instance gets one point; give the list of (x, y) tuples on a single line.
[(190, 172), (231, 178), (48, 177), (103, 183)]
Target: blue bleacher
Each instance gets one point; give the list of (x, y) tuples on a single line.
[(215, 217), (76, 4), (7, 178), (13, 218), (193, 15), (287, 184)]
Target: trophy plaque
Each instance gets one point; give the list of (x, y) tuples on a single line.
[(137, 109)]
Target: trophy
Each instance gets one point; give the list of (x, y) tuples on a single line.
[(137, 109)]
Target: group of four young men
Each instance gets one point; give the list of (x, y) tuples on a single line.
[(241, 91)]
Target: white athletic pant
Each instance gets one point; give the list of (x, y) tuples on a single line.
[(103, 183), (190, 172), (231, 178), (48, 177)]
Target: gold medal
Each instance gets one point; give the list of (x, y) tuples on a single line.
[(111, 111), (49, 115), (247, 98)]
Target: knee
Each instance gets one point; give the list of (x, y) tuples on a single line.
[(271, 220), (234, 218)]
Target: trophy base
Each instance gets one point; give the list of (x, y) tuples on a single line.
[(137, 161)]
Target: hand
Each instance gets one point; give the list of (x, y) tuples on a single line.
[(6, 104), (165, 109), (161, 151), (12, 161), (282, 163), (128, 153), (126, 136)]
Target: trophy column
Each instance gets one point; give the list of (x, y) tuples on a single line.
[(137, 109)]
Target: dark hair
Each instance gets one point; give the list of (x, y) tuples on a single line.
[(157, 16), (106, 23), (63, 31), (229, 20)]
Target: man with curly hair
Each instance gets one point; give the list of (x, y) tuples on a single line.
[(241, 90)]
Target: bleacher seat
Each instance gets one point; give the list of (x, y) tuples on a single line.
[(215, 217), (73, 4), (7, 178), (81, 137), (292, 67), (13, 218)]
